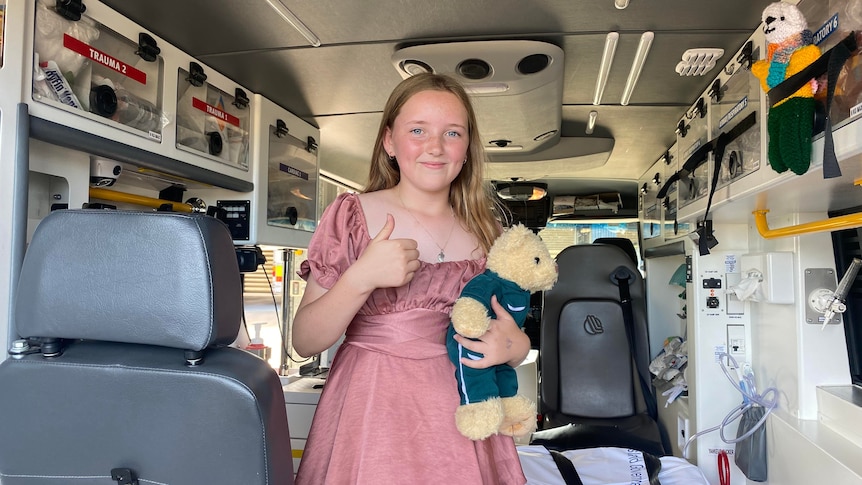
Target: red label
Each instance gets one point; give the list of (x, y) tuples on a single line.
[(85, 50), (213, 111)]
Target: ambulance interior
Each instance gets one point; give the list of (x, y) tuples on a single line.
[(618, 120)]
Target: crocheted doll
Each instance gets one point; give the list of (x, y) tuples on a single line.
[(791, 120), (518, 264)]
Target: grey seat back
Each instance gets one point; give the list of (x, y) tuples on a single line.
[(588, 365), (129, 315)]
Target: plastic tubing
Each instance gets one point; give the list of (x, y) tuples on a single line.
[(750, 399)]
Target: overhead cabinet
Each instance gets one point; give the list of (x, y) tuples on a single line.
[(83, 66), (734, 98), (210, 121)]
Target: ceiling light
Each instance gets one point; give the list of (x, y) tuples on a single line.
[(294, 21), (591, 122), (504, 148), (697, 62), (621, 4), (605, 67), (414, 67), (485, 88), (521, 192), (637, 66)]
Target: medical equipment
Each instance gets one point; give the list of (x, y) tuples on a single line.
[(829, 305), (744, 383)]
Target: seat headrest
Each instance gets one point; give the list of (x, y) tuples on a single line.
[(152, 278), (623, 243)]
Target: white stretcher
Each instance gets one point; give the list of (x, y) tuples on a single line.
[(605, 466)]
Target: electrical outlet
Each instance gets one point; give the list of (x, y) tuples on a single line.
[(681, 431), (736, 342)]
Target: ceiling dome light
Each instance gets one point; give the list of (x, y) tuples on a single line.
[(621, 4), (474, 69), (522, 192), (414, 67)]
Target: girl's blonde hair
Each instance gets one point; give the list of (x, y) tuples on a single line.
[(469, 195)]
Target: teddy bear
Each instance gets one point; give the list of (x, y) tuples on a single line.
[(518, 264), (791, 120)]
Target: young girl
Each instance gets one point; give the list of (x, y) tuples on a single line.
[(385, 268)]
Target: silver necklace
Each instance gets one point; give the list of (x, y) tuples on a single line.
[(441, 256)]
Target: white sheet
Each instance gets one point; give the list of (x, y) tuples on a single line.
[(594, 467)]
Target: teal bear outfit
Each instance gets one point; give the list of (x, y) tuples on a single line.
[(477, 385)]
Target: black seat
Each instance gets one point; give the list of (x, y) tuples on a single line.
[(128, 316), (595, 371)]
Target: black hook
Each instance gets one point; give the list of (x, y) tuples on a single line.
[(281, 129), (311, 145), (196, 74), (682, 128), (240, 99), (147, 48), (70, 9), (746, 55), (715, 92)]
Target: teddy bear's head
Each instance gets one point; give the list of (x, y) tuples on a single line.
[(781, 21), (520, 256)]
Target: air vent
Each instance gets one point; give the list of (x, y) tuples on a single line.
[(533, 63), (697, 62), (474, 69)]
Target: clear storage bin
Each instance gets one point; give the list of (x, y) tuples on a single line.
[(291, 182), (693, 135), (736, 99), (210, 121), (85, 66)]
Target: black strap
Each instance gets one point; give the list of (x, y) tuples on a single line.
[(838, 55), (815, 69), (571, 477), (719, 144), (716, 146), (830, 63), (700, 156), (622, 275), (567, 468)]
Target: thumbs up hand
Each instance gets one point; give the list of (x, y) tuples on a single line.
[(389, 263)]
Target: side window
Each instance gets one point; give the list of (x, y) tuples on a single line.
[(846, 246)]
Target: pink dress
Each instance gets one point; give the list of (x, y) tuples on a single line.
[(387, 412)]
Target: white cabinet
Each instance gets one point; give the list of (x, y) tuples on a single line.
[(301, 396)]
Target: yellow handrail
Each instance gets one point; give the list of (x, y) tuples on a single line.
[(115, 196), (832, 224)]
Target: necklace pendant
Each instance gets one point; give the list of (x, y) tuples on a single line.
[(440, 257)]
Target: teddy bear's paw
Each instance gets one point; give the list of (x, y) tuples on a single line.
[(519, 416), (470, 318), (480, 420)]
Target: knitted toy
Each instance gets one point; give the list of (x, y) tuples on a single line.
[(517, 265), (791, 121)]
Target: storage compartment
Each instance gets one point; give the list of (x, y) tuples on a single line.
[(670, 204), (83, 66), (734, 99), (831, 22), (649, 206), (212, 122), (291, 182), (692, 133)]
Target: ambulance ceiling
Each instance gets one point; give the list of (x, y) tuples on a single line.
[(342, 85)]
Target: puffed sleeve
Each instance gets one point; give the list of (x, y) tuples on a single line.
[(337, 242)]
